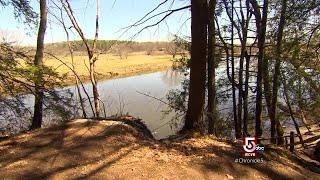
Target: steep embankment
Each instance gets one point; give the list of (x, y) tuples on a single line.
[(113, 150)]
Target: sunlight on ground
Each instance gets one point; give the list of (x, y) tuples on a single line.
[(109, 65)]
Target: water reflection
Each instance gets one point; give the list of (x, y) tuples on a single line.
[(172, 78), (121, 96)]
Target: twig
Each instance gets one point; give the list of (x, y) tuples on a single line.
[(158, 99)]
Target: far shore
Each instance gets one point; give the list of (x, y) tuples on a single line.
[(111, 67)]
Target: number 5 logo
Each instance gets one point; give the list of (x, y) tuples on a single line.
[(249, 144)]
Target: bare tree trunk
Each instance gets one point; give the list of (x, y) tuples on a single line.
[(94, 86), (72, 68), (245, 97), (237, 126), (275, 124), (267, 93), (84, 114), (304, 121), (91, 51), (285, 91), (261, 24), (247, 69), (92, 66), (198, 65), (245, 56), (242, 96), (237, 106), (212, 117), (38, 61), (240, 91)]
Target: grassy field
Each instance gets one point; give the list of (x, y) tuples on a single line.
[(110, 66)]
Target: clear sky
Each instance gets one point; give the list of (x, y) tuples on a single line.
[(114, 15)]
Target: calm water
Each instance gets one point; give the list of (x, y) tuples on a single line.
[(121, 96)]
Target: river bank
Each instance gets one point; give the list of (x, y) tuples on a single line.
[(111, 66)]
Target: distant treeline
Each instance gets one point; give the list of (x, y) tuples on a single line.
[(108, 46)]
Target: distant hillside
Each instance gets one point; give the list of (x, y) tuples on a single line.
[(107, 46)]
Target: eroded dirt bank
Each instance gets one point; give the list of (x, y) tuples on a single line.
[(113, 150)]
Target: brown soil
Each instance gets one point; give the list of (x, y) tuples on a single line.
[(111, 150)]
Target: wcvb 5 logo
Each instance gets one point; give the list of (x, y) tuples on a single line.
[(250, 146)]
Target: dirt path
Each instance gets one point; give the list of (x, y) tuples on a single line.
[(112, 150)]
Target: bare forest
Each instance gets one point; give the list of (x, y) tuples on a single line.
[(231, 91)]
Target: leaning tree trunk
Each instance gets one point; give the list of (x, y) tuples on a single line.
[(38, 61), (198, 65), (84, 114), (287, 99), (212, 113), (92, 54)]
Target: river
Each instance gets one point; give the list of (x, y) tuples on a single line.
[(123, 95)]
